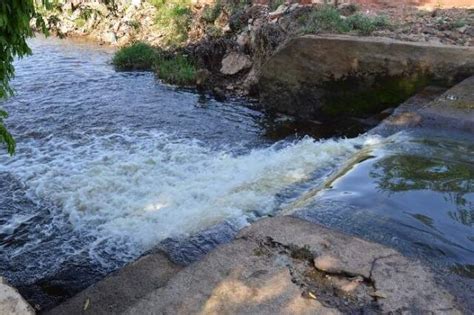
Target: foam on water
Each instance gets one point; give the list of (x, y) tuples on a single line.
[(138, 188)]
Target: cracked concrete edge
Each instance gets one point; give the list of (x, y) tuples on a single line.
[(326, 243), (345, 253), (407, 285)]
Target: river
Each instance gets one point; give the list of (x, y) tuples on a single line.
[(110, 165)]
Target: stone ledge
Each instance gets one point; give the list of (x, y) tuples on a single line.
[(330, 76), (285, 265), (453, 110)]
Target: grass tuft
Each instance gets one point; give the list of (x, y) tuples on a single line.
[(211, 13), (174, 69), (137, 56), (174, 18), (329, 19), (177, 70)]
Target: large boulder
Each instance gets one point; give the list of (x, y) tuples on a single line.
[(11, 302), (328, 76)]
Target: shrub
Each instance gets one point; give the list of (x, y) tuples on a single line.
[(326, 18), (80, 22), (235, 6), (210, 14), (174, 18), (329, 19), (274, 4), (366, 25), (177, 69), (138, 56)]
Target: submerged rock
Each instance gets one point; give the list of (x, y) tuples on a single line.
[(11, 302)]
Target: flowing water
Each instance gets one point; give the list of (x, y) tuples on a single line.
[(112, 164)]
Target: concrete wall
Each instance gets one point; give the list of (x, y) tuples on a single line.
[(328, 76)]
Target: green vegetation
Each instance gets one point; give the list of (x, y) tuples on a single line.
[(135, 24), (138, 56), (235, 6), (211, 13), (172, 68), (174, 18), (366, 25), (15, 17), (274, 4), (329, 19), (80, 22), (176, 69), (5, 136)]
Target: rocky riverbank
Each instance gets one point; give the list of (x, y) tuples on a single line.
[(228, 41)]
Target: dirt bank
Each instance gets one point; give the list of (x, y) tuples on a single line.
[(232, 39)]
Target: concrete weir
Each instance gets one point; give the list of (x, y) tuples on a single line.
[(285, 265), (331, 76), (278, 265)]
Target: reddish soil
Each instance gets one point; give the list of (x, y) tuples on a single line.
[(429, 4)]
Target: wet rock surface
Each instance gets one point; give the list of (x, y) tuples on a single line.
[(121, 289), (264, 272), (452, 110), (11, 302)]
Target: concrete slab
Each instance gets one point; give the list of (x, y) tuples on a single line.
[(286, 265), (452, 110), (117, 292)]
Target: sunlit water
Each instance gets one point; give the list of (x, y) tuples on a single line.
[(112, 164)]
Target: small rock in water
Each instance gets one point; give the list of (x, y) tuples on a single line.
[(218, 94), (378, 294)]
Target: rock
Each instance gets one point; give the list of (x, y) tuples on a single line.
[(305, 77), (234, 63), (243, 39), (137, 3), (260, 273), (293, 7), (202, 78), (250, 84), (11, 302), (109, 38), (462, 29), (278, 12), (219, 94), (99, 7)]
